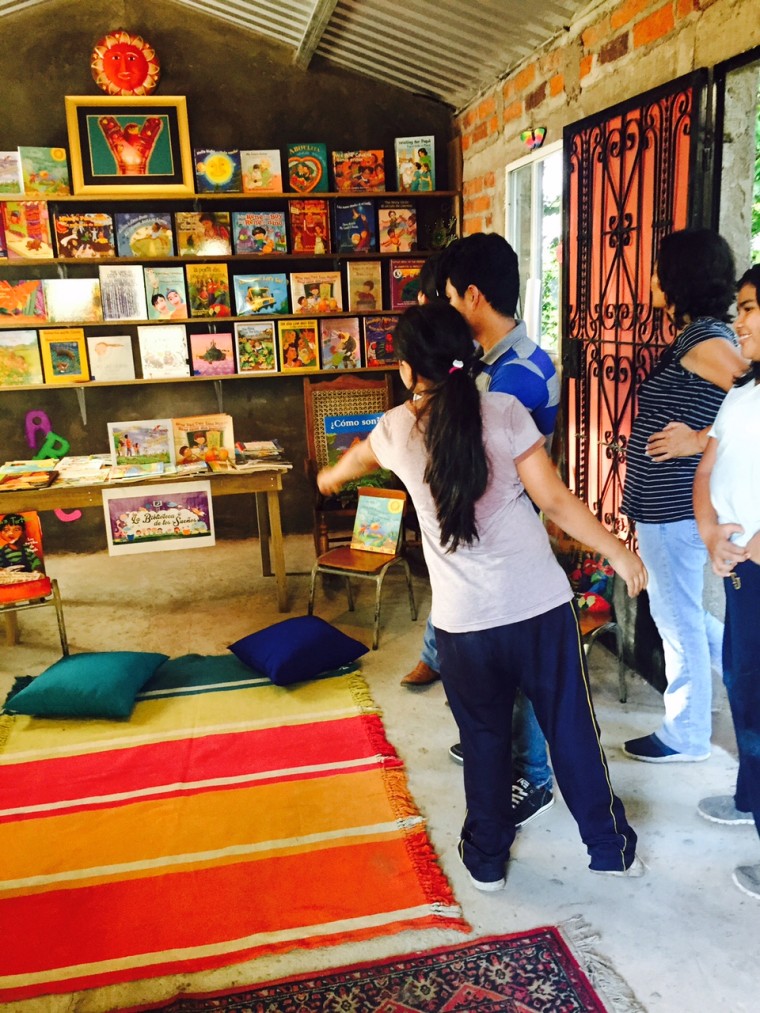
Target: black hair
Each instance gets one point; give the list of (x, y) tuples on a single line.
[(13, 521), (696, 271), (428, 277), (487, 261), (435, 342), (750, 277), (154, 298)]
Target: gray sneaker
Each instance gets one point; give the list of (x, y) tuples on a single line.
[(722, 809), (747, 878)]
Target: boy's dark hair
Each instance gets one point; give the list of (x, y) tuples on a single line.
[(436, 343), (695, 268), (487, 261), (428, 277)]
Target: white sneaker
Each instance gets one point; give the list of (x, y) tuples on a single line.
[(634, 870)]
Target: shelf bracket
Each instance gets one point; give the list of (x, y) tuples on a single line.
[(82, 404), (219, 395)]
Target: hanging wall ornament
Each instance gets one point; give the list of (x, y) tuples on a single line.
[(125, 64)]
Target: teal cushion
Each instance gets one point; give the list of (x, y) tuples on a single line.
[(297, 649), (99, 685)]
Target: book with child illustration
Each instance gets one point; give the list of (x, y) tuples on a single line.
[(165, 293), (203, 233), (203, 438), (316, 292), (359, 170), (262, 170), (365, 286), (259, 232), (84, 236), (307, 167), (143, 442), (22, 560), (256, 347), (415, 163), (144, 235), (355, 226), (26, 225), (396, 226), (309, 225), (340, 343), (298, 345)]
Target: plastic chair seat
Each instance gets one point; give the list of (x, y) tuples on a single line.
[(53, 599)]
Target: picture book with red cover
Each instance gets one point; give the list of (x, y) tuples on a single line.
[(309, 225), (359, 170), (22, 562), (404, 282), (378, 341)]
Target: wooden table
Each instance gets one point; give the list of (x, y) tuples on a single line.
[(265, 486)]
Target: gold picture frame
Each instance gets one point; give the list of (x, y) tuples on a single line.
[(133, 145)]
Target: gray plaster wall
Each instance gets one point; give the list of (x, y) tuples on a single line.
[(241, 91)]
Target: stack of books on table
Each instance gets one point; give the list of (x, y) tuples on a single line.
[(260, 455)]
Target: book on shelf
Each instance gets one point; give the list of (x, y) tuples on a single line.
[(396, 226), (203, 438), (307, 167), (27, 481), (45, 171), (208, 290), (20, 362), (3, 246), (260, 293), (26, 225), (340, 343), (165, 293), (256, 346), (365, 285), (309, 225), (218, 170), (139, 234), (316, 292), (378, 341), (249, 464), (262, 170), (122, 292), (404, 282), (142, 442), (203, 233), (10, 173), (111, 357), (72, 300), (163, 351), (259, 232), (359, 170), (64, 355), (22, 560), (22, 302), (212, 354), (415, 163), (84, 236), (298, 344), (355, 226)]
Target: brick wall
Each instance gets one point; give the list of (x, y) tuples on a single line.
[(623, 49)]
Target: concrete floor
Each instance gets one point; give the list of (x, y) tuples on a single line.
[(683, 937)]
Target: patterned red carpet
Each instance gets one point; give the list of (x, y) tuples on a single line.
[(531, 972)]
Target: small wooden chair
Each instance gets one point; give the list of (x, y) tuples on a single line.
[(369, 556), (51, 596)]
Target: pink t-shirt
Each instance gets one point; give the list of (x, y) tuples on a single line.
[(510, 573)]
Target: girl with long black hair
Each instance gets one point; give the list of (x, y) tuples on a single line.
[(502, 606)]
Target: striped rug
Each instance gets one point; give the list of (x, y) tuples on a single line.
[(225, 820)]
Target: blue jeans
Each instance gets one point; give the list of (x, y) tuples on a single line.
[(481, 672), (529, 759), (741, 674), (692, 638)]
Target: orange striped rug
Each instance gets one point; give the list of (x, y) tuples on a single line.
[(222, 822)]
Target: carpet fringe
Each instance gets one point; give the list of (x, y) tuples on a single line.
[(615, 992), (359, 690)]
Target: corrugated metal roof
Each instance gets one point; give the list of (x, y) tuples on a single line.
[(450, 50)]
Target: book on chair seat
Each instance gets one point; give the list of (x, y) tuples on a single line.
[(377, 527), (22, 565)]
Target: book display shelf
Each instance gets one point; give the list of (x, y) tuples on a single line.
[(168, 289)]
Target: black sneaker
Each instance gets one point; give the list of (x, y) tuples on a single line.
[(529, 801), (455, 752)]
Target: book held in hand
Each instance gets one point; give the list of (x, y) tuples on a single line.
[(262, 170), (415, 163), (307, 167)]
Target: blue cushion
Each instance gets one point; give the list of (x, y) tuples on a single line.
[(297, 649), (99, 685)]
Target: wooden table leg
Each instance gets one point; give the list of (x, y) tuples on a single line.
[(262, 519), (11, 628), (278, 550)]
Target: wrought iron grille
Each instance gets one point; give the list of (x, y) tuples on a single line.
[(627, 184)]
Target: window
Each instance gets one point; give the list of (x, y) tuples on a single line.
[(534, 229)]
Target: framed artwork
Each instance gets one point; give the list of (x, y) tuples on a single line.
[(64, 355), (175, 515), (138, 145)]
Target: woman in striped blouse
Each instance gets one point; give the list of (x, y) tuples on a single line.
[(693, 283)]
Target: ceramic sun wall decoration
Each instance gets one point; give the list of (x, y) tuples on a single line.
[(125, 64)]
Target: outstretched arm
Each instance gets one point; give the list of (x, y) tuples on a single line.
[(543, 485), (357, 461)]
